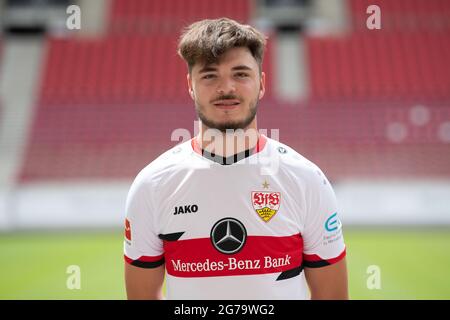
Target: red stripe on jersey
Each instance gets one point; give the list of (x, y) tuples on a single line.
[(128, 260), (260, 144), (151, 259), (260, 255), (316, 258), (195, 146), (145, 258)]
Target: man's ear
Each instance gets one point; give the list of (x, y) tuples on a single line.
[(262, 85), (190, 87)]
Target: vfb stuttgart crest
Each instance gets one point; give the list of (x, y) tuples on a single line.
[(266, 203)]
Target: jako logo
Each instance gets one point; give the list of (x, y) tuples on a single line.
[(332, 222), (185, 209)]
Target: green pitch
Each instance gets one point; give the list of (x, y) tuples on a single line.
[(413, 264)]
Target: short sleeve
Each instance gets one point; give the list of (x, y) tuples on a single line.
[(142, 246), (323, 240)]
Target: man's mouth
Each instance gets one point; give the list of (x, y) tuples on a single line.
[(227, 104)]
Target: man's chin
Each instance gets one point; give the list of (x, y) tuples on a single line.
[(227, 127), (224, 126), (229, 124)]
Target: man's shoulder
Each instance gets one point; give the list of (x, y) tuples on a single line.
[(289, 156), (293, 161), (168, 161)]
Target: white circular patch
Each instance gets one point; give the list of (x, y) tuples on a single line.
[(419, 115), (444, 132), (396, 132)]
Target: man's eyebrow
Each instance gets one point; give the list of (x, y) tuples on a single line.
[(207, 69), (236, 68), (242, 67)]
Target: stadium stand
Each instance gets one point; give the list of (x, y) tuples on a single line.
[(138, 68), (367, 84), (386, 66), (404, 15), (99, 141), (1, 98), (172, 15), (108, 106), (365, 139)]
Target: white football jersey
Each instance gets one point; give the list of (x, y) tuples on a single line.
[(240, 230)]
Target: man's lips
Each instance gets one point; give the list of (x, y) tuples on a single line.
[(227, 104)]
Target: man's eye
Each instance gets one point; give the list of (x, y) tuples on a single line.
[(241, 75), (208, 76)]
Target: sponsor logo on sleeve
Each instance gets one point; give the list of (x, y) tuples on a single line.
[(333, 228), (127, 230), (333, 223)]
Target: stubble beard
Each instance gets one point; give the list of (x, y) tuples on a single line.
[(228, 125)]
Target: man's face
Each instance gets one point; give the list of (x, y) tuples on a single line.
[(226, 93)]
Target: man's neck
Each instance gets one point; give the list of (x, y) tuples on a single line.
[(227, 143)]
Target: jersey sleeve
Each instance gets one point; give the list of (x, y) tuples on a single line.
[(323, 240), (142, 246)]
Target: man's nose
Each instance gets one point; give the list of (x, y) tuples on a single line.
[(226, 86)]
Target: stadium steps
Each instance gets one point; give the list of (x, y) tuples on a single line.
[(21, 60)]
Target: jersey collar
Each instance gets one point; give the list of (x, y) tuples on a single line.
[(260, 144)]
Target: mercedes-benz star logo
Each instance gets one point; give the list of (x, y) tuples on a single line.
[(228, 235)]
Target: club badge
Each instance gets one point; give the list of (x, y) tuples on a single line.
[(266, 203)]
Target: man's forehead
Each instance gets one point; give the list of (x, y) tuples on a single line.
[(236, 58)]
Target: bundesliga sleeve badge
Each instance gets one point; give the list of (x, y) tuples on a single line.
[(127, 230), (266, 203)]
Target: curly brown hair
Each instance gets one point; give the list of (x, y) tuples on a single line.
[(206, 40)]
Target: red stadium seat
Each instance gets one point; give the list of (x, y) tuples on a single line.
[(352, 139), (116, 68), (388, 65), (404, 15), (346, 140), (143, 16)]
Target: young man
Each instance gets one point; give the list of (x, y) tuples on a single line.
[(231, 214)]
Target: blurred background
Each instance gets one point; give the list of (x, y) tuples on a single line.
[(85, 104)]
